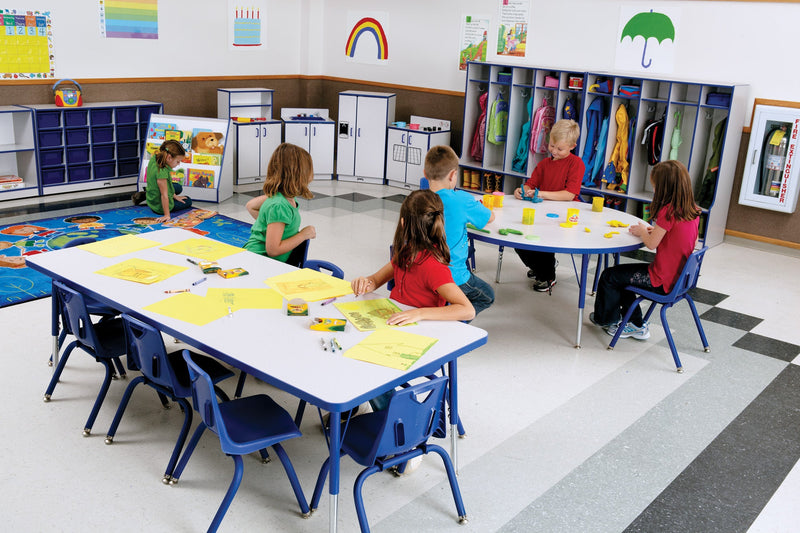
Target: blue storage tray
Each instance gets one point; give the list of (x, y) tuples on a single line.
[(78, 154), (51, 156), (102, 134), (128, 150), (101, 116), (128, 167), (48, 119), (127, 133), (49, 138), (52, 176), (104, 170), (146, 111), (77, 136), (76, 117), (102, 152), (125, 115), (81, 172)]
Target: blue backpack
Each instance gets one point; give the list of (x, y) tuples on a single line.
[(595, 119), (520, 162)]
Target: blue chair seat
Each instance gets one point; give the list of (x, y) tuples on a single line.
[(687, 280)]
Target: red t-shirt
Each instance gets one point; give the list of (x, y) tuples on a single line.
[(417, 285), (671, 253), (552, 175)]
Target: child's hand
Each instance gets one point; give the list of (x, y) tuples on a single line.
[(639, 230), (309, 232), (519, 193), (180, 198), (405, 317), (362, 285), (162, 219)]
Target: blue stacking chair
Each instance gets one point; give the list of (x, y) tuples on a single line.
[(167, 374), (298, 258), (243, 425), (687, 280), (105, 341), (385, 439)]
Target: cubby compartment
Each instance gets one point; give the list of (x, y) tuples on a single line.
[(128, 167), (51, 156), (102, 134), (125, 115), (127, 150), (75, 117), (78, 154), (685, 93), (655, 90), (52, 176), (101, 116), (127, 132), (49, 138), (82, 172), (146, 111), (76, 136), (104, 170), (102, 152), (48, 119)]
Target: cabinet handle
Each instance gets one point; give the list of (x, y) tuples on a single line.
[(305, 134), (359, 132), (755, 153), (409, 139), (264, 133), (258, 133), (402, 138), (314, 131)]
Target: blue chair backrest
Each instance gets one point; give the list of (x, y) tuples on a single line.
[(205, 401), (412, 416), (687, 279), (298, 256), (146, 346), (76, 316), (424, 184), (319, 266)]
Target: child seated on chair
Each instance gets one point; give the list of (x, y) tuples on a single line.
[(460, 208), (557, 177), (673, 236)]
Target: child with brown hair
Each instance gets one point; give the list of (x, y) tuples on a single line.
[(276, 231), (162, 194)]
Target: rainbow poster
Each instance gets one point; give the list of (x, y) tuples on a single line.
[(367, 40), (129, 19)]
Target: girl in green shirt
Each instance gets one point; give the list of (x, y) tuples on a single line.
[(162, 194), (276, 231)]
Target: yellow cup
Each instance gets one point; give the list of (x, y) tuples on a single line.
[(597, 204), (488, 200), (528, 214), (572, 215), (498, 199)]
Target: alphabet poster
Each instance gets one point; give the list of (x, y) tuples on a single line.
[(26, 44)]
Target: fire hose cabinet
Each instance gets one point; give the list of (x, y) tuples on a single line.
[(770, 177)]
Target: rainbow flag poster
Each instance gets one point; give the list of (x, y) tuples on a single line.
[(129, 19)]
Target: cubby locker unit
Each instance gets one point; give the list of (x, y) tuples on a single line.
[(406, 149), (312, 129), (93, 146), (249, 102), (363, 121), (205, 171), (508, 165), (693, 114), (18, 176), (703, 111)]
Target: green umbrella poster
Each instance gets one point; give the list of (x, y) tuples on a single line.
[(647, 38)]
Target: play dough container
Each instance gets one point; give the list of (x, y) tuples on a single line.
[(597, 204), (498, 199), (488, 200), (528, 214), (572, 215)]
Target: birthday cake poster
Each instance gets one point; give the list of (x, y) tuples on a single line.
[(246, 24)]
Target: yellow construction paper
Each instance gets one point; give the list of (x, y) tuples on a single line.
[(190, 308), (207, 249), (141, 271), (309, 285), (368, 315), (392, 348), (246, 298), (117, 246)]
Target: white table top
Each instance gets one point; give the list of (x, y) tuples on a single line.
[(554, 238), (266, 343)]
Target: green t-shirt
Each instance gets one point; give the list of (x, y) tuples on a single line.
[(274, 209), (153, 192)]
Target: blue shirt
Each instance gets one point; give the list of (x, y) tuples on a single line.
[(461, 207)]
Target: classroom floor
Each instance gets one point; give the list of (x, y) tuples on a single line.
[(558, 439)]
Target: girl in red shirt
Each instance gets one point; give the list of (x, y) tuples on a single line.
[(672, 235), (419, 266)]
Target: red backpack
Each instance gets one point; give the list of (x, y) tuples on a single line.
[(476, 148), (543, 120)]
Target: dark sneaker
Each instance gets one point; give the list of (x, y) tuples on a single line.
[(544, 286), (596, 323), (138, 197), (531, 275)]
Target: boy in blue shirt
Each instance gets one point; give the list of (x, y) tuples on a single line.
[(441, 170)]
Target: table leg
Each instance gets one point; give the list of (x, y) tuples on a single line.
[(581, 297), (333, 485), (499, 263), (54, 328), (453, 412)]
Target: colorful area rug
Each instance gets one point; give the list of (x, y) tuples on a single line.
[(19, 284)]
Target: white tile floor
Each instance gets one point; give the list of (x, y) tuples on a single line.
[(561, 434)]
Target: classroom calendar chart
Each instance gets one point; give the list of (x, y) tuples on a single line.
[(26, 45)]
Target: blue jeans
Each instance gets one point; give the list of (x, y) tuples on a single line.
[(479, 293), (612, 300)]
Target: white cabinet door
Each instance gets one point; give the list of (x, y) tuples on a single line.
[(297, 133), (248, 151), (396, 153), (415, 157), (346, 129), (370, 137), (321, 147), (270, 136)]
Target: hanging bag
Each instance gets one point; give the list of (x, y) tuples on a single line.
[(543, 121), (497, 127), (520, 162), (476, 147)]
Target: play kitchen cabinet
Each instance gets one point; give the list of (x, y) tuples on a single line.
[(253, 144), (313, 130), (700, 123), (250, 102), (96, 145), (406, 146), (18, 168), (770, 176), (361, 132)]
